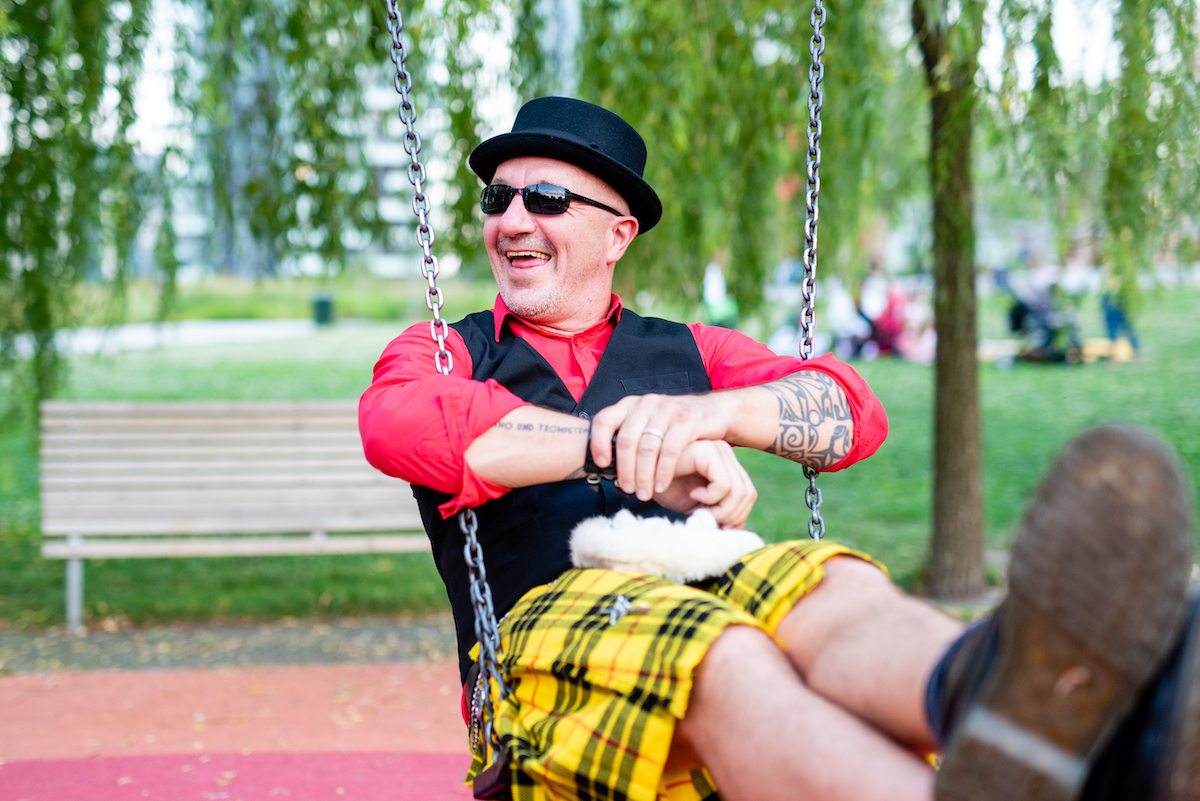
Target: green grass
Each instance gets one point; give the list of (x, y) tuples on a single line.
[(881, 505), (1029, 412)]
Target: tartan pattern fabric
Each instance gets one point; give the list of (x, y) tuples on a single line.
[(596, 694)]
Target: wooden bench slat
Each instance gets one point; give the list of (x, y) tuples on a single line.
[(347, 427), (244, 466), (261, 546), (100, 481), (294, 509), (152, 453), (109, 439), (227, 497), (365, 520), (58, 409)]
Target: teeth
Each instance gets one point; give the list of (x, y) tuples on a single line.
[(527, 254)]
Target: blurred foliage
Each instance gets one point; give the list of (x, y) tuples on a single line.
[(720, 94), (71, 195), (1152, 178), (1121, 157), (273, 123), (273, 93), (269, 142)]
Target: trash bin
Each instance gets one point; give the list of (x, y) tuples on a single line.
[(323, 309)]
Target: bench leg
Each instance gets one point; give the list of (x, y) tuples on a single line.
[(74, 594)]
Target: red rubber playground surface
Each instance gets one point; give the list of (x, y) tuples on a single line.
[(337, 732)]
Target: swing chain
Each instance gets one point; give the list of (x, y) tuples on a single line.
[(438, 329), (487, 631), (812, 499), (808, 285), (816, 74)]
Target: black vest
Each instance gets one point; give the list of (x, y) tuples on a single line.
[(525, 533)]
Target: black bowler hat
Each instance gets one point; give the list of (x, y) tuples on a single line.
[(582, 134)]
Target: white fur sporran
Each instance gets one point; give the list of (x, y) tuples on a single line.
[(681, 552)]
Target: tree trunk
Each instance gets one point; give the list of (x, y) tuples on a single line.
[(956, 568)]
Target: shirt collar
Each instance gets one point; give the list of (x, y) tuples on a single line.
[(501, 313)]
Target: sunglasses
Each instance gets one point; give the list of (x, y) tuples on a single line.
[(539, 199)]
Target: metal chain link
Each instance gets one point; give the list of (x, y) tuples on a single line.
[(816, 74), (487, 631), (808, 284), (442, 359)]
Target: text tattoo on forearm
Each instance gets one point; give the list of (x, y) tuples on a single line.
[(541, 427), (813, 420)]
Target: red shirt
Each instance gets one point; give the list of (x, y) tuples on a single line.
[(416, 423)]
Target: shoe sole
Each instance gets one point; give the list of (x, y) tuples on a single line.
[(1097, 586)]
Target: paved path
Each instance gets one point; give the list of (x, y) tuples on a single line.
[(143, 336), (387, 730), (290, 642)]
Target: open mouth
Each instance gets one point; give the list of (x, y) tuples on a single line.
[(525, 259)]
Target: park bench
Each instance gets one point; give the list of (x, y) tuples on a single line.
[(142, 480)]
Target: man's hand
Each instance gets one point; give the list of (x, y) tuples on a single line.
[(711, 476), (804, 417), (653, 431)]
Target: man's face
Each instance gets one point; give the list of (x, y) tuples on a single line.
[(556, 270)]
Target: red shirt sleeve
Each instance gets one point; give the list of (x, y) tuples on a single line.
[(416, 423), (735, 360)]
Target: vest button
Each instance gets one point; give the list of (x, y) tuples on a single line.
[(585, 415)]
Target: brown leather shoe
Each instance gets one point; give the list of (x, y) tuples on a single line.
[(1155, 755), (1183, 774), (1097, 587)]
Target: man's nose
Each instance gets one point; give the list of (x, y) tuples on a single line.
[(516, 219)]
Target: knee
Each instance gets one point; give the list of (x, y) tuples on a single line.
[(851, 591), (849, 574), (731, 653)]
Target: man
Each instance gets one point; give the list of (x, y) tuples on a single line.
[(800, 672)]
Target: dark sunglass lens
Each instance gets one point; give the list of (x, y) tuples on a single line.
[(495, 198), (546, 199)]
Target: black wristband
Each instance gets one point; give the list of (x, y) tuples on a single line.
[(590, 470)]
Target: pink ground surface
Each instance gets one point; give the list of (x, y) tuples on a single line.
[(321, 732)]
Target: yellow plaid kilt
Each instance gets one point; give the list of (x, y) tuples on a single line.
[(595, 696)]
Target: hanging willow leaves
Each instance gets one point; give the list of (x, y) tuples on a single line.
[(1151, 180), (1120, 156), (462, 24), (719, 93), (70, 194), (277, 109)]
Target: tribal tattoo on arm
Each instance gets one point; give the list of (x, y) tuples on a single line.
[(815, 426)]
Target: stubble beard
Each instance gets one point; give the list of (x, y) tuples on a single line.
[(531, 303), (535, 306)]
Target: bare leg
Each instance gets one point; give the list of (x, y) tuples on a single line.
[(866, 646), (764, 735)]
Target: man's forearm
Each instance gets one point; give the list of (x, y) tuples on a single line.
[(528, 446), (804, 417)]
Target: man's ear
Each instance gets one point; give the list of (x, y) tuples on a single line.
[(621, 234)]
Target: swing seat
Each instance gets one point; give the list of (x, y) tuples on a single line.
[(495, 782)]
